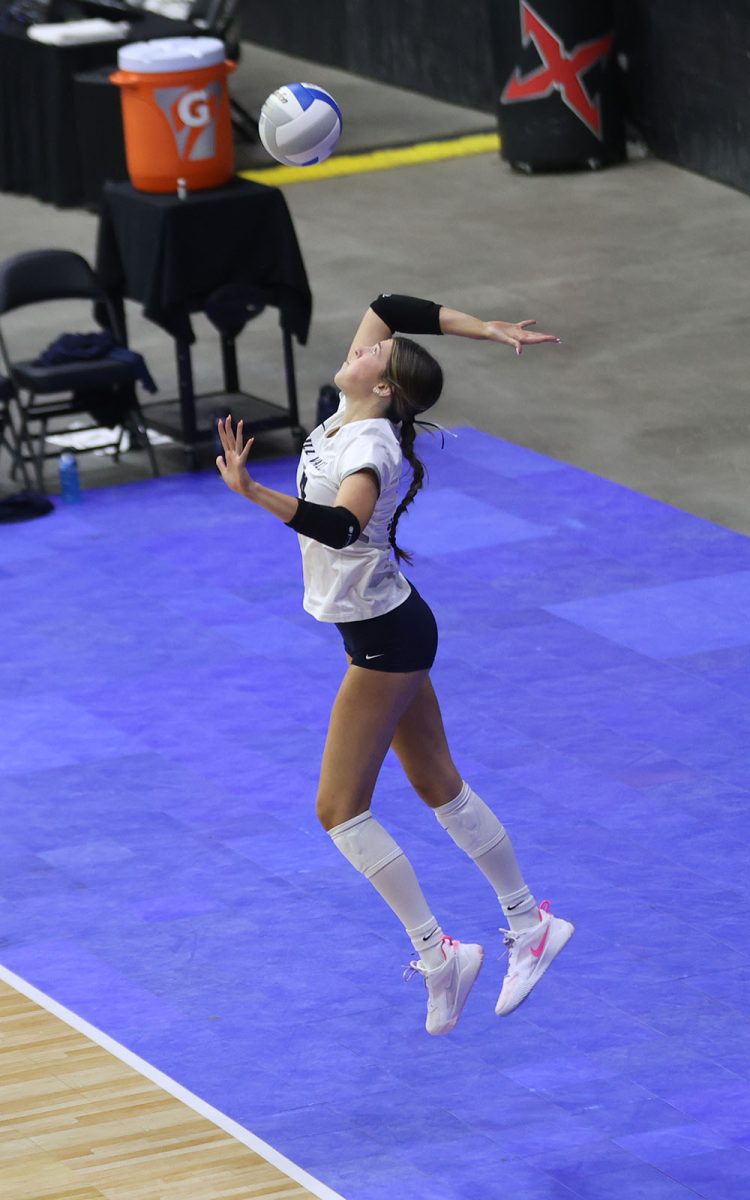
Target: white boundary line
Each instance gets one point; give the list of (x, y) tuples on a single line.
[(170, 1086)]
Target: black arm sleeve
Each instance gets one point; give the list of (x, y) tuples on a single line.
[(333, 526), (407, 314)]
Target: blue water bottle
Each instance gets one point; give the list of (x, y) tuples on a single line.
[(70, 484)]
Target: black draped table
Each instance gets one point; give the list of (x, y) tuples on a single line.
[(41, 151), (228, 252)]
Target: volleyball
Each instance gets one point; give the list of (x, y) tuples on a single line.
[(300, 124)]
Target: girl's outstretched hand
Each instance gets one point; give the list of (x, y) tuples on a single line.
[(517, 335), (233, 463)]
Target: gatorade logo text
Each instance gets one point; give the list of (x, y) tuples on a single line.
[(193, 109), (191, 114)]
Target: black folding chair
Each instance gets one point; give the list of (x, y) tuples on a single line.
[(43, 394)]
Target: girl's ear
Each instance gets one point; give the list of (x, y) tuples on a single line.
[(383, 389)]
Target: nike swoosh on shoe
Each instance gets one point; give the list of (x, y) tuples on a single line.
[(538, 950)]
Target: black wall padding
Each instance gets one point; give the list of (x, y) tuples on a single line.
[(438, 47), (688, 82)]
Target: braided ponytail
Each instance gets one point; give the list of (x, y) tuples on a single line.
[(416, 381), (408, 434)]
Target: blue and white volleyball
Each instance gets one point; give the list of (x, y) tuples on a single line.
[(300, 124)]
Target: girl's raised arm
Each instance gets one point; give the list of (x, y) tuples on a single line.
[(371, 329), (391, 313)]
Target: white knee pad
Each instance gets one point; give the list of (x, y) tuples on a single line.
[(472, 825), (366, 844)]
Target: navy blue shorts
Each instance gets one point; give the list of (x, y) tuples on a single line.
[(404, 639)]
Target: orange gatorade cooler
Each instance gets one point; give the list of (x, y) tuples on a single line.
[(175, 112)]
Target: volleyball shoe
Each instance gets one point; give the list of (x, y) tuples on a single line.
[(530, 953), (448, 985)]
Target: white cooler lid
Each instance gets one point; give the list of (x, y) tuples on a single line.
[(171, 54)]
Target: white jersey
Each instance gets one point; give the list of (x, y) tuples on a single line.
[(361, 580)]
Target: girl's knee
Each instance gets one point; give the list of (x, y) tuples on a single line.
[(437, 788), (333, 810), (326, 812)]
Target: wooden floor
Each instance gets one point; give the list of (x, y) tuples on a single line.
[(78, 1124)]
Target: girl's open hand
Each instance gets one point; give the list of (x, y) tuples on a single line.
[(517, 335), (233, 463)]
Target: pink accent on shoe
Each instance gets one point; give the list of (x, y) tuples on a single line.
[(451, 942), (537, 951)]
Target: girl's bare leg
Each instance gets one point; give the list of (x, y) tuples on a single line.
[(365, 715), (422, 749)]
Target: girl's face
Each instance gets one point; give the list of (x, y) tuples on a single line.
[(359, 375)]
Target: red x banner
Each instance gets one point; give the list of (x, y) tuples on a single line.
[(561, 71)]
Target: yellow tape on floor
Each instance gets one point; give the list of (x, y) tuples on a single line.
[(379, 160)]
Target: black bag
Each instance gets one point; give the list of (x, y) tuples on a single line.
[(23, 506)]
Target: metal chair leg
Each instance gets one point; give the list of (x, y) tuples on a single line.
[(13, 442), (39, 455), (26, 450), (20, 460), (138, 422)]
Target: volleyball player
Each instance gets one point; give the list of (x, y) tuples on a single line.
[(346, 516)]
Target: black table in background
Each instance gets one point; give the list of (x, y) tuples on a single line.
[(219, 251), (40, 148), (99, 133)]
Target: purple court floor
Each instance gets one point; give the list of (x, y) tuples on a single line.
[(163, 704)]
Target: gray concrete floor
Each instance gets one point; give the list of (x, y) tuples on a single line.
[(642, 270)]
